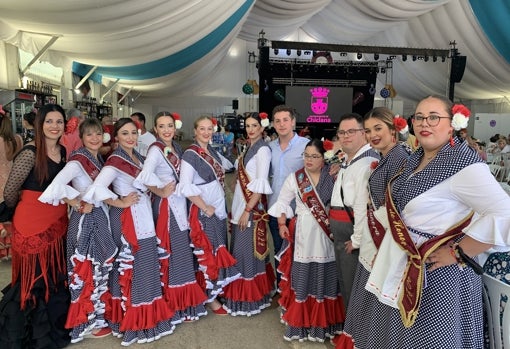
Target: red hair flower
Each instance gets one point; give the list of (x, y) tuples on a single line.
[(264, 121), (460, 116), (177, 121), (328, 146), (215, 124), (400, 124)]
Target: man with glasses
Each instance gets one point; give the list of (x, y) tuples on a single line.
[(286, 158), (348, 213)]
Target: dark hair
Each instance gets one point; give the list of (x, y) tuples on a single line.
[(41, 164), (445, 100), (318, 144), (140, 116), (350, 116), (282, 107), (90, 124), (121, 123), (255, 116), (161, 114), (29, 117)]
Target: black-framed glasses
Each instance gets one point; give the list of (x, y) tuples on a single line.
[(349, 132), (432, 120), (312, 156)]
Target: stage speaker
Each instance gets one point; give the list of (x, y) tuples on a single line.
[(458, 67), (235, 104)]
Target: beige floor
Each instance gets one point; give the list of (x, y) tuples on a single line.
[(212, 331)]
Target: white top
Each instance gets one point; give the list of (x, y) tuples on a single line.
[(354, 181), (59, 189), (144, 142), (311, 244), (157, 172), (434, 212), (123, 185), (258, 172)]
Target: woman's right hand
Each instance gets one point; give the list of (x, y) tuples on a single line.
[(130, 199), (209, 210), (284, 232)]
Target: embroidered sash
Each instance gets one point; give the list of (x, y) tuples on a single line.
[(376, 229), (173, 161), (123, 165), (211, 161), (260, 216), (310, 198), (409, 302), (126, 217), (88, 165)]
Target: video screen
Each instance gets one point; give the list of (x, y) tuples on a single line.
[(319, 104)]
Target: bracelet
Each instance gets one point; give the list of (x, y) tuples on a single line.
[(282, 224), (454, 251), (468, 260), (247, 210)]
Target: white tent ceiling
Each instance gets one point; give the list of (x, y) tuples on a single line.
[(183, 45)]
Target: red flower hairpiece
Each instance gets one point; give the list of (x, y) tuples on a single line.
[(264, 121), (177, 121), (400, 124), (138, 126), (328, 145), (215, 124), (460, 116)]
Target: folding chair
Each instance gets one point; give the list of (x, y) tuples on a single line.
[(496, 296)]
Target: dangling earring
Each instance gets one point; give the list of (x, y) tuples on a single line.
[(452, 142), (394, 138)]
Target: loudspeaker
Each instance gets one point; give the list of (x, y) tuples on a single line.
[(235, 104), (458, 66)]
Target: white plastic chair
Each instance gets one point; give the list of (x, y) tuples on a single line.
[(495, 170), (498, 314)]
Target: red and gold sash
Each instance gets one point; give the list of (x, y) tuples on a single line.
[(260, 216), (310, 198), (123, 165), (216, 167), (173, 160), (409, 302), (87, 164), (376, 229)]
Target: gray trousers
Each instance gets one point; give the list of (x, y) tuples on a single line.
[(346, 264)]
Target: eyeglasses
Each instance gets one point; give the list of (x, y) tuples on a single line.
[(349, 132), (432, 120), (312, 156)]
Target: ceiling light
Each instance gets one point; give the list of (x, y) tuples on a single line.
[(298, 52), (275, 51), (414, 58), (288, 52), (443, 58), (359, 56), (426, 58), (404, 58), (434, 58), (376, 56)]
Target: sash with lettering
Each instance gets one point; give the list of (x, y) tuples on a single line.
[(310, 198), (126, 217), (173, 160), (211, 161), (88, 165), (409, 302), (260, 216)]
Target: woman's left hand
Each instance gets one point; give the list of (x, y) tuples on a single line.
[(243, 221), (442, 257)]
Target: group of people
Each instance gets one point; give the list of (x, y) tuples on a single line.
[(379, 250)]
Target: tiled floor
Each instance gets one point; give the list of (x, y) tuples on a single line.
[(212, 331)]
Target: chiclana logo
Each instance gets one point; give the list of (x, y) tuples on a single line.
[(319, 100)]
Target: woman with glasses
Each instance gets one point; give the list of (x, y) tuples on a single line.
[(312, 307), (444, 208)]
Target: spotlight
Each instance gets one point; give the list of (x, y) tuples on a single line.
[(426, 58), (443, 59), (359, 56), (376, 56), (298, 52), (343, 54), (404, 58), (383, 70), (288, 52), (414, 58), (275, 51), (434, 58)]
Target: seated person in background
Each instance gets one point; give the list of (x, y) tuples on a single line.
[(479, 147), (228, 140), (502, 147), (217, 140)]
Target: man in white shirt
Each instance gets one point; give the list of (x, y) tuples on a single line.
[(145, 139), (348, 213)]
